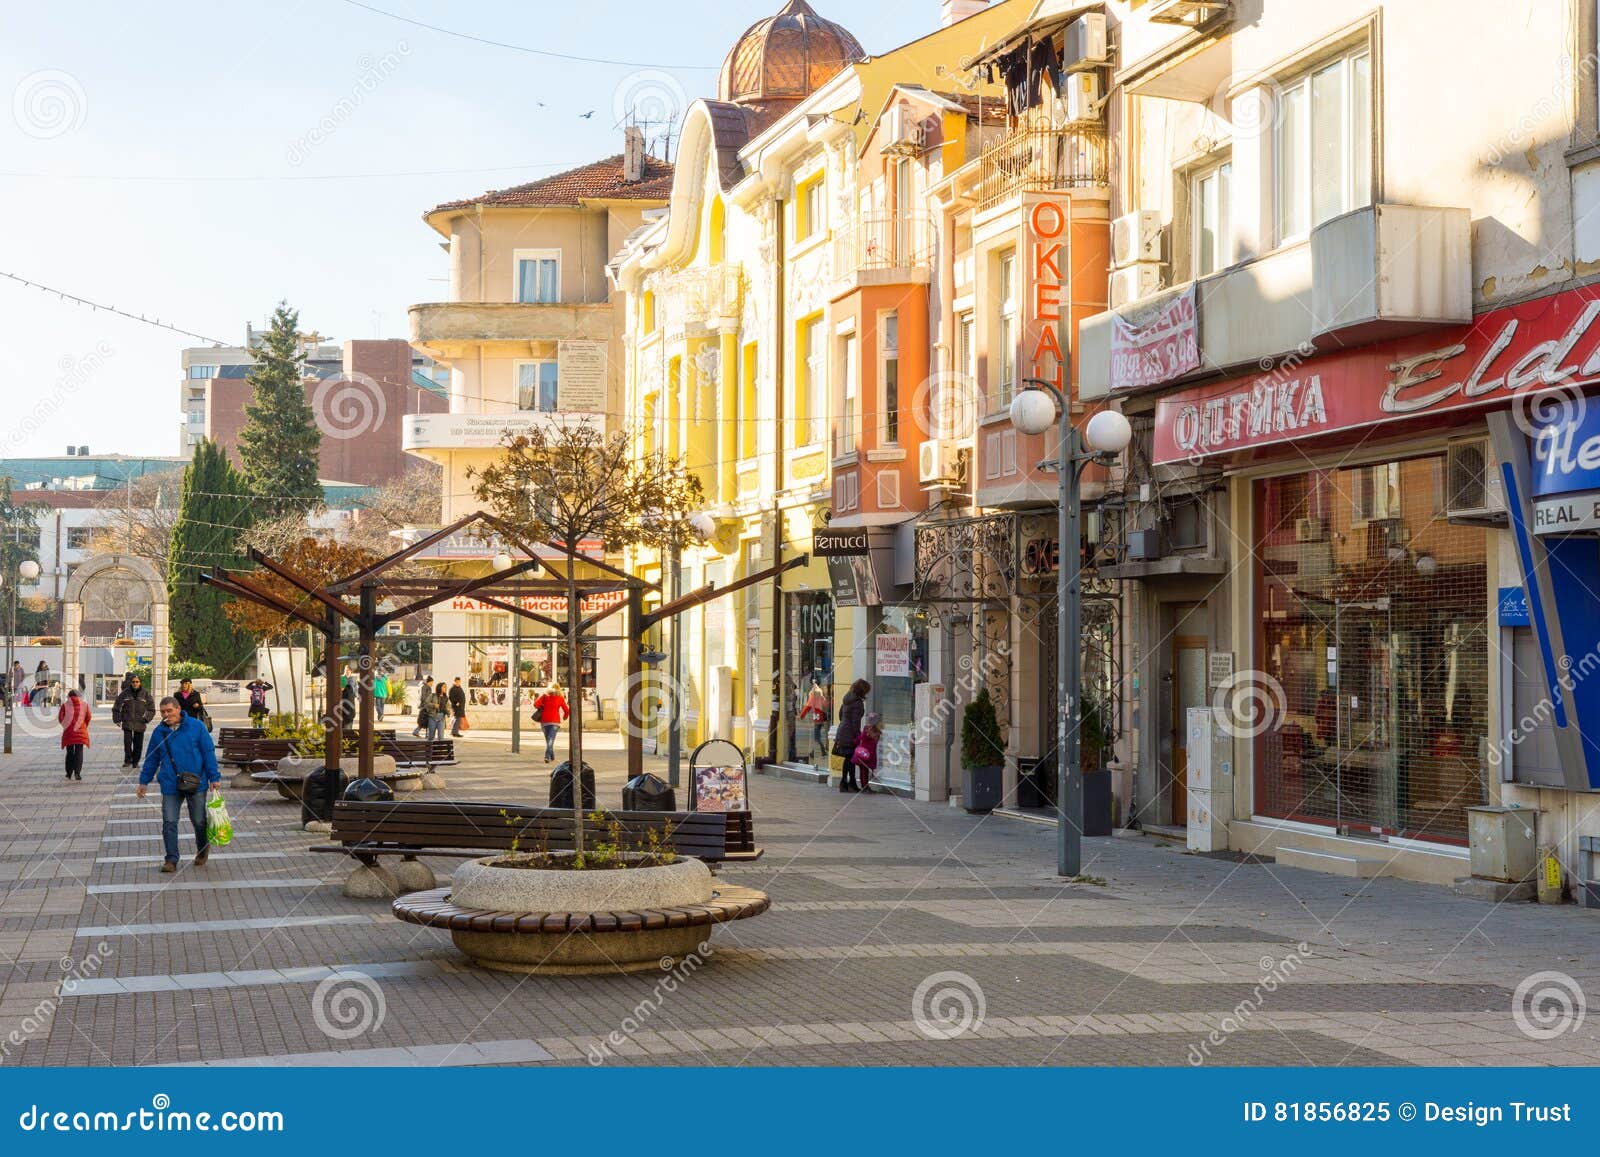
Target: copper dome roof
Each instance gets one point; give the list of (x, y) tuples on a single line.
[(787, 57)]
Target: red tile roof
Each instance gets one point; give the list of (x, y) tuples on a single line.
[(596, 181)]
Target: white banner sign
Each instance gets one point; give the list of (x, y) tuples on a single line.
[(1165, 347)]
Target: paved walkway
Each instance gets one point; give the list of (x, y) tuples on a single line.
[(900, 933)]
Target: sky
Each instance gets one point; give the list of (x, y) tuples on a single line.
[(197, 161)]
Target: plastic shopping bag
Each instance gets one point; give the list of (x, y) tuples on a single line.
[(219, 828)]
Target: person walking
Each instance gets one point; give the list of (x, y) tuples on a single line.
[(380, 692), (133, 711), (458, 707), (424, 698), (816, 710), (191, 703), (74, 717), (851, 709), (183, 762), (258, 688), (438, 708), (550, 711)]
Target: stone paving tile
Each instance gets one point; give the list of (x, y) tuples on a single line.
[(226, 962)]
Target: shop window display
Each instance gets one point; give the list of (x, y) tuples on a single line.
[(1373, 616)]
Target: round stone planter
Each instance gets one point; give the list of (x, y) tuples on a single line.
[(565, 922)]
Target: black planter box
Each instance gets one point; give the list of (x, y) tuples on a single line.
[(1097, 803), (980, 788), (1036, 781)]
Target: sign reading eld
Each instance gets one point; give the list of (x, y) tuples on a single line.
[(1566, 469)]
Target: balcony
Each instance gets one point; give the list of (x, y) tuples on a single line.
[(699, 295), (1037, 160), (450, 330), (1376, 273), (890, 243)]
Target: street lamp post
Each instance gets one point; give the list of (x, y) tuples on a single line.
[(1039, 405), (27, 570), (503, 562), (702, 526)]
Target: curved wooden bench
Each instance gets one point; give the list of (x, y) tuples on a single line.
[(433, 909)]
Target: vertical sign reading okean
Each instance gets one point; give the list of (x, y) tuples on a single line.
[(1566, 464)]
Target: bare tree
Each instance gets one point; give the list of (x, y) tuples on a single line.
[(137, 518), (573, 485)]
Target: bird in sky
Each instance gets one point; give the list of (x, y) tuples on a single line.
[(587, 115)]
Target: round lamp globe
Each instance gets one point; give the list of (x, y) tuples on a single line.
[(1108, 432)]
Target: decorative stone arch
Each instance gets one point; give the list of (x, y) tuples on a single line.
[(100, 567)]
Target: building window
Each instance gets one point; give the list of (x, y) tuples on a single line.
[(538, 276), (1213, 232), (200, 373), (647, 312), (747, 402), (850, 366), (1379, 658), (1322, 145), (197, 418), (889, 351), (79, 537), (717, 230), (813, 384), (1006, 334), (538, 386), (809, 216)]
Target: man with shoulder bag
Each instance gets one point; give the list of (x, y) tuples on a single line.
[(183, 761)]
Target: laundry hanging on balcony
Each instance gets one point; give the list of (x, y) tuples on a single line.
[(1025, 70)]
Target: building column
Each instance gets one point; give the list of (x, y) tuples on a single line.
[(728, 415)]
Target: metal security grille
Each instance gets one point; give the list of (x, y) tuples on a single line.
[(1373, 652)]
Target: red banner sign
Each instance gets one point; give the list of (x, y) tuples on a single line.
[(549, 604), (1165, 347), (1525, 348)]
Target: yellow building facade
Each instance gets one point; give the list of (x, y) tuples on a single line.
[(733, 364)]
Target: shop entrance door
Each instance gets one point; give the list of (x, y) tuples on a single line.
[(1361, 679), (1188, 690)]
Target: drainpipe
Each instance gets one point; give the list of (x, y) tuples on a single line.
[(779, 361)]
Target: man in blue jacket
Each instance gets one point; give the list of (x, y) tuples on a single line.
[(181, 746)]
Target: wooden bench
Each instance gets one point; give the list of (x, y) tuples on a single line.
[(291, 784), (410, 829), (410, 752), (255, 751)]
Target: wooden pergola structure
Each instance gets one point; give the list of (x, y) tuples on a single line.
[(356, 599)]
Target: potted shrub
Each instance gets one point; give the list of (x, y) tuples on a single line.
[(1094, 743), (983, 756), (396, 699)]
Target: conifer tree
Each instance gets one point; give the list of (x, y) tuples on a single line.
[(214, 510), (279, 442)]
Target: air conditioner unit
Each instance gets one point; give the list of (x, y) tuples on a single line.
[(1472, 489), (1084, 43), (903, 131), (1136, 237), (939, 464), (1308, 530), (1145, 545), (1080, 96), (1135, 283)]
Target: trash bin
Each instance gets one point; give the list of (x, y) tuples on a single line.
[(321, 788), (561, 786), (649, 793), (368, 791)]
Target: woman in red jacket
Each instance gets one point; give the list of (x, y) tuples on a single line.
[(74, 717), (550, 710)]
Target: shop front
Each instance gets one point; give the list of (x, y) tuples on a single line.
[(1377, 529)]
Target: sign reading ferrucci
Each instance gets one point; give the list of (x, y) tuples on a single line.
[(1165, 347), (1523, 348)]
